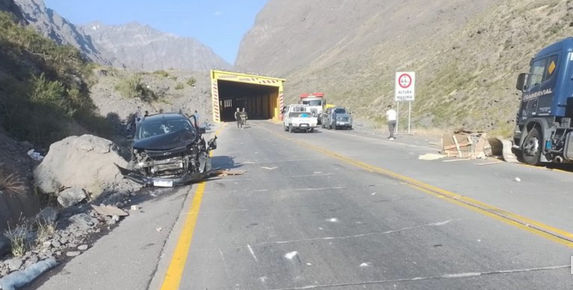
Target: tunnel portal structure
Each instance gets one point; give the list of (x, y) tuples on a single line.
[(261, 96)]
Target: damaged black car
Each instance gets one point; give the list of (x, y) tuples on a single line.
[(169, 150)]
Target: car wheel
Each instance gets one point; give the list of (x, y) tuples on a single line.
[(531, 147)]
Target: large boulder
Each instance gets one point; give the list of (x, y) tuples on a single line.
[(86, 162)]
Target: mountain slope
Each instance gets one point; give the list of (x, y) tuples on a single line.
[(141, 47), (466, 53), (51, 25), (131, 46)]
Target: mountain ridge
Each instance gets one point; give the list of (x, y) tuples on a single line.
[(112, 46), (466, 54)]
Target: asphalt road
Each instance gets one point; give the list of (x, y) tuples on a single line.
[(347, 211), (339, 210)]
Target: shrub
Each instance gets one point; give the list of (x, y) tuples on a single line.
[(161, 73), (191, 82), (9, 183), (44, 87), (18, 238), (133, 87), (45, 230), (179, 86)]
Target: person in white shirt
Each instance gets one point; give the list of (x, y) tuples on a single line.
[(391, 118)]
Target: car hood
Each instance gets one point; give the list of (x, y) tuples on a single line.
[(167, 141)]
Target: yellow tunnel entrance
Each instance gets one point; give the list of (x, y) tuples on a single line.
[(260, 96)]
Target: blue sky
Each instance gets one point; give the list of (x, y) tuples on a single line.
[(218, 24)]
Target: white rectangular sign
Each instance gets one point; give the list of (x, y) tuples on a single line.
[(404, 87)]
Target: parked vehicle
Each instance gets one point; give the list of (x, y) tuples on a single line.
[(337, 118), (169, 150), (299, 121), (315, 102), (543, 132)]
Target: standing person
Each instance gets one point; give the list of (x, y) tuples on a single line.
[(238, 117), (196, 118), (391, 118), (244, 116)]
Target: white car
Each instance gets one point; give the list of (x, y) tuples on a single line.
[(299, 121)]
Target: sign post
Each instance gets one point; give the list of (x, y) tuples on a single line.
[(404, 91)]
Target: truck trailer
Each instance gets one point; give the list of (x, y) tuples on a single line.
[(543, 131)]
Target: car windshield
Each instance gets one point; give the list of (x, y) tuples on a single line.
[(312, 102), (340, 111), (158, 127), (299, 114)]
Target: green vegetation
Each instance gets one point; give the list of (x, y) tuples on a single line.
[(162, 73), (191, 82), (44, 87), (179, 86), (18, 238), (133, 87)]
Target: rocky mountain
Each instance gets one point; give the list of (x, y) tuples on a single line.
[(11, 7), (141, 47), (466, 53), (50, 24), (133, 46)]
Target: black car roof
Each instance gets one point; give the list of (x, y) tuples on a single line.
[(164, 116)]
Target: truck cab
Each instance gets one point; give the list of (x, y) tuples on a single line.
[(315, 102), (543, 132)]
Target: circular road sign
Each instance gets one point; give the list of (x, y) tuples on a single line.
[(405, 81)]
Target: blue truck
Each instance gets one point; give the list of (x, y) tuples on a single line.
[(543, 132)]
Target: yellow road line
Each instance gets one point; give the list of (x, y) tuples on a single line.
[(174, 273), (551, 233), (175, 270)]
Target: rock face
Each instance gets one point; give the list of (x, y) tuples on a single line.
[(11, 7), (86, 162), (132, 46), (50, 24), (71, 196), (141, 47), (466, 54)]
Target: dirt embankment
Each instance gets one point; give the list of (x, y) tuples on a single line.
[(16, 195)]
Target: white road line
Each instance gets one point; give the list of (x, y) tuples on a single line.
[(435, 224), (252, 253), (317, 188), (445, 276)]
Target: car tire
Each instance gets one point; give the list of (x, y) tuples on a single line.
[(531, 147)]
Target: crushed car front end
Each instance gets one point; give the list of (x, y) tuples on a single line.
[(174, 158)]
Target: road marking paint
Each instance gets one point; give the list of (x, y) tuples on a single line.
[(318, 188), (252, 253), (439, 277), (291, 255), (174, 272), (435, 224), (551, 233)]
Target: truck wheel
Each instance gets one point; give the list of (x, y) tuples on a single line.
[(290, 128), (531, 147)]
